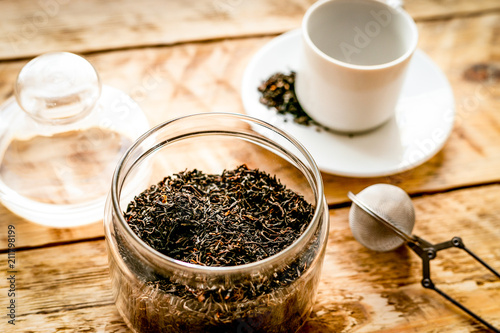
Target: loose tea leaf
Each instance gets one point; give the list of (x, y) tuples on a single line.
[(235, 218), (278, 92)]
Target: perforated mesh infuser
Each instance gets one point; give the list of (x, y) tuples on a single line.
[(382, 218), (390, 202)]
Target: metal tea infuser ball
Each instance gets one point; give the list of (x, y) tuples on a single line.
[(382, 218)]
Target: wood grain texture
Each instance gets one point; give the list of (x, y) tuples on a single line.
[(180, 57), (30, 28), (426, 10), (50, 25), (34, 235), (169, 82), (67, 288)]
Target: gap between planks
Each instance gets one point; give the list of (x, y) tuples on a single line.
[(438, 17), (53, 244)]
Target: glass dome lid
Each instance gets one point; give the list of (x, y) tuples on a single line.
[(61, 136)]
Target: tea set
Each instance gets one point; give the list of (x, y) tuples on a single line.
[(383, 107)]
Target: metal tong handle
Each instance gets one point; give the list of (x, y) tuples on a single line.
[(427, 251)]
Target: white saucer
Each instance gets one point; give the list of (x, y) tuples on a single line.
[(423, 121)]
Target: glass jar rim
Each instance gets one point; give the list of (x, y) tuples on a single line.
[(293, 248)]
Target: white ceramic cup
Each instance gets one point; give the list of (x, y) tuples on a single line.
[(353, 60)]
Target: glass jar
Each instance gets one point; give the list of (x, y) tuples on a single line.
[(61, 136), (155, 293)]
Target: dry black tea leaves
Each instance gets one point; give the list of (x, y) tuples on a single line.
[(278, 92), (240, 216), (237, 217)]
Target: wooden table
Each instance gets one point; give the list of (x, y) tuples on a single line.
[(186, 56)]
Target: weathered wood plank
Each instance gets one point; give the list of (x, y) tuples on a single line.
[(99, 319), (30, 28), (56, 280), (66, 287), (34, 235), (424, 10)]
